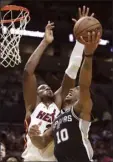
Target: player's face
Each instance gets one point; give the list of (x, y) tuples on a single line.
[(45, 91), (73, 95), (2, 151)]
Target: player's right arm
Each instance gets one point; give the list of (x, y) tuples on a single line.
[(85, 102), (38, 140), (29, 79)]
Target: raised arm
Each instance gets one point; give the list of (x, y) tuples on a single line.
[(68, 81), (29, 79), (40, 141), (73, 66), (85, 78)]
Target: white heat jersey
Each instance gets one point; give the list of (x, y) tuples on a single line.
[(44, 116)]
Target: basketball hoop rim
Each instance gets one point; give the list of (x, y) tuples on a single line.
[(13, 8)]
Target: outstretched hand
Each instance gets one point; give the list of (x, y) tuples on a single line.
[(92, 42), (49, 32), (82, 13)]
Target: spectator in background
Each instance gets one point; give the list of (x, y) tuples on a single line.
[(2, 151), (12, 159), (106, 159)]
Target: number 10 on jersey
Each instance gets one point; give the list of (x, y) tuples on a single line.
[(62, 135)]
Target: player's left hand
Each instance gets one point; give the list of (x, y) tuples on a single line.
[(92, 43), (34, 131), (82, 13)]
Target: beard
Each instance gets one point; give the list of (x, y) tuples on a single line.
[(50, 95), (47, 97)]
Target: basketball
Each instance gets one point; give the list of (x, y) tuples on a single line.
[(85, 25)]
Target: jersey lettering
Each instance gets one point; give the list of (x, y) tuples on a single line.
[(62, 135), (46, 116), (41, 115), (64, 119)]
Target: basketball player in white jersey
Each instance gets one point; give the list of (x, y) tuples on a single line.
[(42, 105), (70, 129)]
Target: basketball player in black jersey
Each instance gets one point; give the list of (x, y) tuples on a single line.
[(70, 130)]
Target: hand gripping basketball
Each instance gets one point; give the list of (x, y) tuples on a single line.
[(92, 43)]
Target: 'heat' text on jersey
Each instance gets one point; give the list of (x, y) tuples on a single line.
[(46, 116)]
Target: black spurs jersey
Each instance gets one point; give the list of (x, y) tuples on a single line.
[(71, 138)]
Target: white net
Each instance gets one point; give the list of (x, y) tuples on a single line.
[(9, 35)]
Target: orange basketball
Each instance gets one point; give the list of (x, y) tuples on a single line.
[(85, 25)]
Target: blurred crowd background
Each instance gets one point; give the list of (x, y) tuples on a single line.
[(51, 70)]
